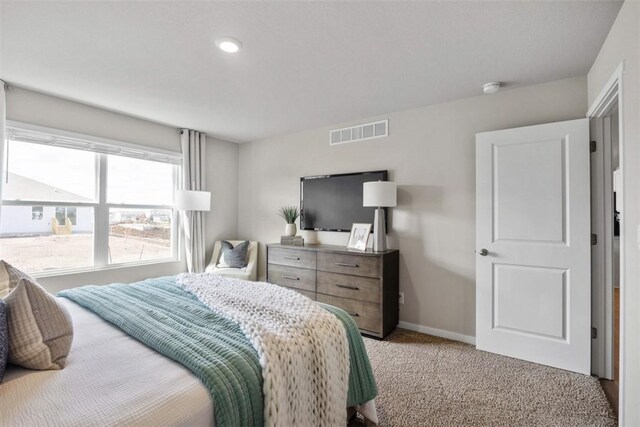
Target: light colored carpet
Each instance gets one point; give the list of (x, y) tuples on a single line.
[(429, 381)]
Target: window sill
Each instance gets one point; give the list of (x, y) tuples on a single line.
[(71, 271)]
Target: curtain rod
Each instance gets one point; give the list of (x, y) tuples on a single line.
[(183, 129)]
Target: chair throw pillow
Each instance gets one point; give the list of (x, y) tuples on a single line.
[(39, 327), (231, 257), (4, 338)]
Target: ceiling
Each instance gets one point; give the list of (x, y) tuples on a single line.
[(303, 65)]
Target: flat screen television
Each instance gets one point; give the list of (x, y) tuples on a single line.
[(334, 202)]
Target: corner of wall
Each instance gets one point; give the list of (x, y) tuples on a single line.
[(222, 181)]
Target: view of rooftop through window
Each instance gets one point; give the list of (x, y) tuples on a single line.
[(51, 200), (41, 172)]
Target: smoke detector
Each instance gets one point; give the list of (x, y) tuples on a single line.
[(491, 87)]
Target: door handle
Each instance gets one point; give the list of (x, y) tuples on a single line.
[(292, 258), (484, 252), (291, 277), (344, 264)]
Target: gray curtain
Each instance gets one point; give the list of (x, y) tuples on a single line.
[(3, 113), (193, 151)]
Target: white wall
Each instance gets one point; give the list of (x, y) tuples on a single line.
[(623, 43), (18, 219), (222, 162), (430, 153)]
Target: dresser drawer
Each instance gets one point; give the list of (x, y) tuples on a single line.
[(292, 257), (311, 295), (292, 277), (347, 286), (366, 314), (358, 265)]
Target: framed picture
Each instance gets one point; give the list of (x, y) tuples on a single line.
[(359, 236)]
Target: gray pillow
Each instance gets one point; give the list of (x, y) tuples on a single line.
[(231, 257), (40, 328), (4, 338)]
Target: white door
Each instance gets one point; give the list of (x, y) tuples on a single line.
[(533, 268)]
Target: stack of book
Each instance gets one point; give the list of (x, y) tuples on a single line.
[(292, 240)]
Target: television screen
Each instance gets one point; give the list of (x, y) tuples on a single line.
[(334, 202)]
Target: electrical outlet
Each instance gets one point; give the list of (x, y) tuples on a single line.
[(401, 298)]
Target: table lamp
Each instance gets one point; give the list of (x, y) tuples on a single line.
[(379, 194), (188, 200)]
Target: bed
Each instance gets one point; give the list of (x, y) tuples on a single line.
[(112, 378)]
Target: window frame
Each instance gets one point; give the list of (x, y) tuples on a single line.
[(66, 213), (100, 206), (41, 212)]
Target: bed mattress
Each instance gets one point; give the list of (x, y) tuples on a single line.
[(110, 379)]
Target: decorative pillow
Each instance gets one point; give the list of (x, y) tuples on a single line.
[(4, 338), (231, 257), (39, 327)]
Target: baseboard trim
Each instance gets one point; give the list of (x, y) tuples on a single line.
[(467, 339)]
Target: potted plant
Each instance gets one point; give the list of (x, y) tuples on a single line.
[(289, 214)]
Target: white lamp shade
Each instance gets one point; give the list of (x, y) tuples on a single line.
[(379, 194), (187, 200)]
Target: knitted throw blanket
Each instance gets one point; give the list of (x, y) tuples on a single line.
[(303, 349)]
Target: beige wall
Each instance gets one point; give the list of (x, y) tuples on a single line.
[(222, 161), (45, 110), (222, 181), (623, 44), (430, 153)]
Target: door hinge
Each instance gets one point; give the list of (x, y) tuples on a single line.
[(594, 239), (594, 333), (592, 146)]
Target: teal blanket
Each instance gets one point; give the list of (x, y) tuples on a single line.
[(159, 313)]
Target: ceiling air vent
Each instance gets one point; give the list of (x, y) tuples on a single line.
[(359, 133)]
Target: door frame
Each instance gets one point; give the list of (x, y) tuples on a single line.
[(602, 293)]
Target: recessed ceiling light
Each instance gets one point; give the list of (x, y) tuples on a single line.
[(492, 87), (228, 44)]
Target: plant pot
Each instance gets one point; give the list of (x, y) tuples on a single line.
[(290, 230)]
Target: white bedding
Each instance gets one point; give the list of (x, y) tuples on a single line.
[(110, 379)]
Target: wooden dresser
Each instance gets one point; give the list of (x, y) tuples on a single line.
[(364, 284)]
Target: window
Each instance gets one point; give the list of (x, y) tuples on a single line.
[(70, 203), (135, 181), (37, 213), (139, 234), (64, 214)]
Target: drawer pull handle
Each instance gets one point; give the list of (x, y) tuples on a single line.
[(354, 288), (344, 264), (292, 257), (353, 314), (291, 277)]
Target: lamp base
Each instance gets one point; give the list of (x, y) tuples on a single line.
[(379, 232)]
